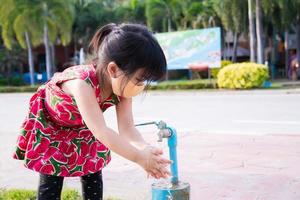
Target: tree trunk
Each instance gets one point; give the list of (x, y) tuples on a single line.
[(52, 50), (223, 47), (286, 50), (251, 31), (165, 25), (259, 32), (9, 66), (48, 53), (30, 58), (235, 38), (228, 51), (169, 19), (298, 38), (274, 47), (169, 24), (185, 23), (66, 53), (211, 22)]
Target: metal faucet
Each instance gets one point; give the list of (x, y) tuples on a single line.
[(163, 132)]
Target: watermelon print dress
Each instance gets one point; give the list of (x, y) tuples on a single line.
[(53, 138)]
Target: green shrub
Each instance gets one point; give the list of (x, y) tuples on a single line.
[(215, 71), (12, 81), (3, 81), (242, 76), (16, 81), (23, 194)]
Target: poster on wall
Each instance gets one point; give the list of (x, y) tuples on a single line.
[(198, 48)]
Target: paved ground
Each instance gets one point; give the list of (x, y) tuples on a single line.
[(232, 145)]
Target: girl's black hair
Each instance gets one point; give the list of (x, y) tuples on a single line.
[(132, 47)]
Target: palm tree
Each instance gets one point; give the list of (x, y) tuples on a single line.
[(15, 19), (37, 21), (161, 13), (185, 16), (251, 31), (52, 19), (282, 15), (204, 15), (90, 15), (295, 21), (286, 17), (291, 19), (259, 32), (239, 8), (56, 19), (222, 9), (233, 14)]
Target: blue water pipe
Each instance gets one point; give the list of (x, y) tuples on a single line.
[(172, 143), (173, 189)]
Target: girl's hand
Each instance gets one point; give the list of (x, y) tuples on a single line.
[(152, 162)]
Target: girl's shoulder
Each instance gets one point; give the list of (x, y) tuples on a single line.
[(84, 72)]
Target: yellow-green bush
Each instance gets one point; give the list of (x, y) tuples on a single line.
[(242, 76), (215, 71)]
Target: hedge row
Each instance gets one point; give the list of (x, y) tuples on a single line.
[(11, 89), (183, 85)]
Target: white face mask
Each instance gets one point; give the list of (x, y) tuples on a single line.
[(130, 89)]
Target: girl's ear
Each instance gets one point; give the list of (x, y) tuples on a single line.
[(112, 69)]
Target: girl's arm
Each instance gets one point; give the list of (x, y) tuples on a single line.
[(92, 115), (126, 124)]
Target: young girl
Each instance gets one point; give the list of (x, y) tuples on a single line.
[(64, 133)]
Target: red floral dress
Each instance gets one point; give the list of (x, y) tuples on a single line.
[(53, 138)]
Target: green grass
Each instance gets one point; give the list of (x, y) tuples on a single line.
[(24, 194)]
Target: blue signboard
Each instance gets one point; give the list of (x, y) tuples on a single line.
[(187, 49)]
